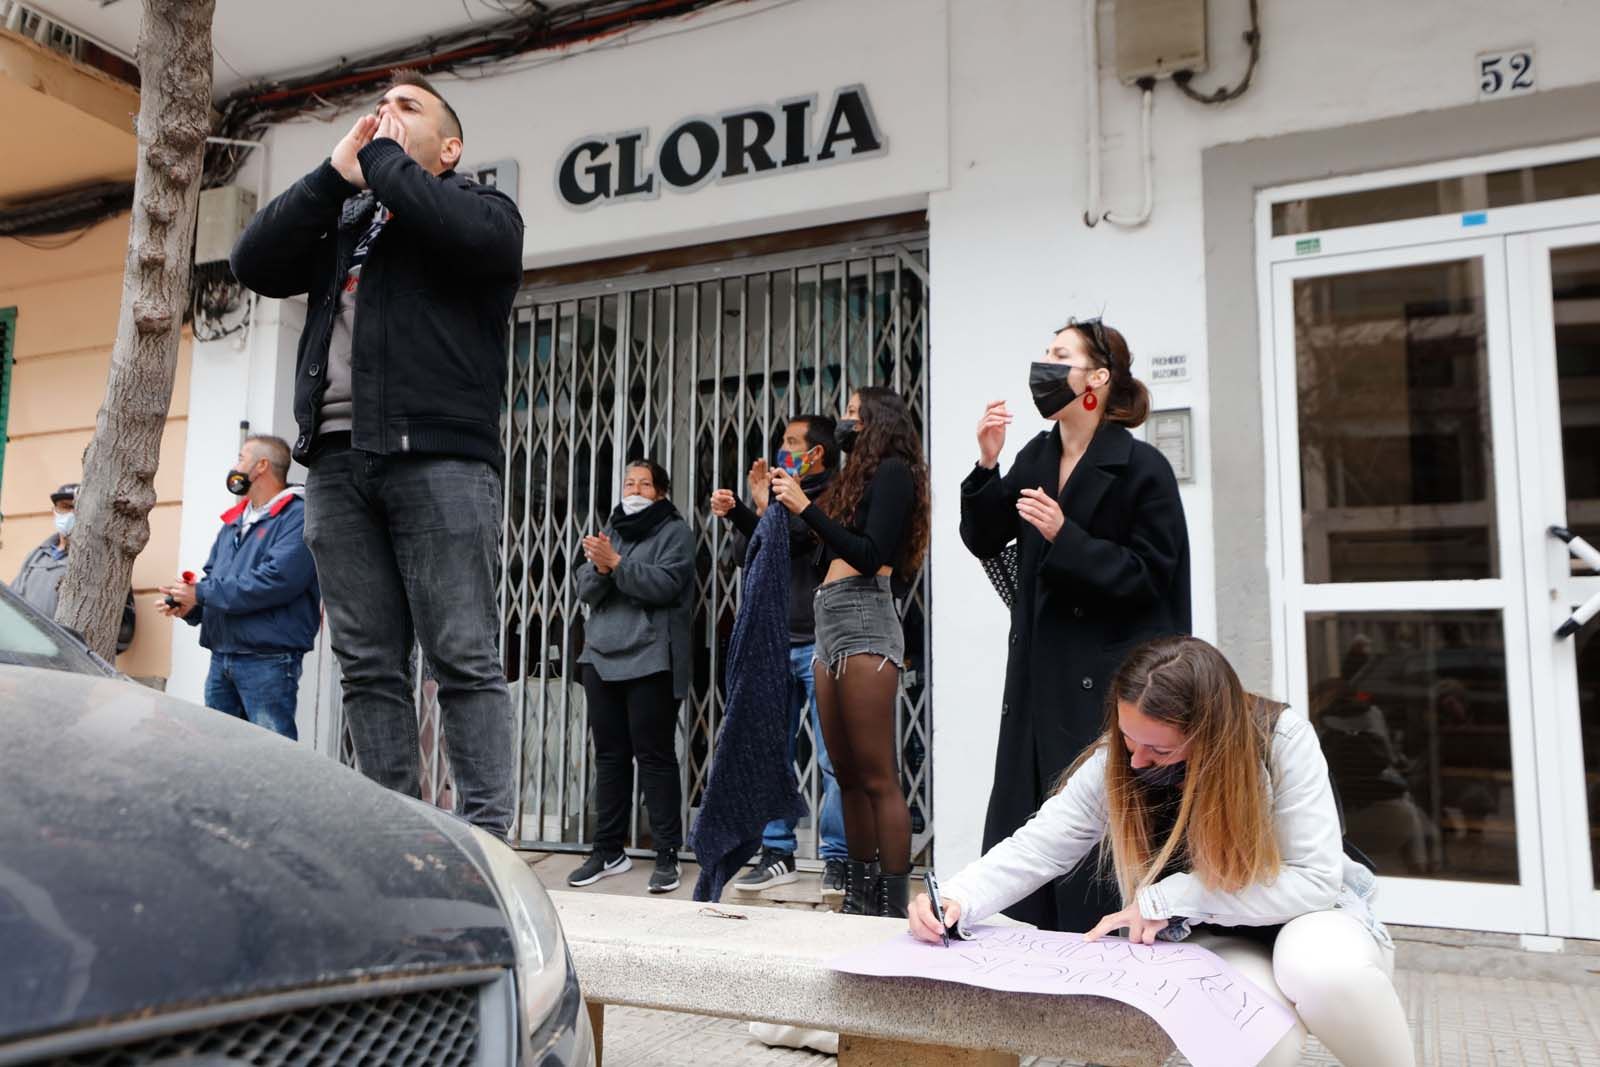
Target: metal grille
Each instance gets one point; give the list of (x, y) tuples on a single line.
[(699, 369), (437, 785), (434, 1028), (8, 330)]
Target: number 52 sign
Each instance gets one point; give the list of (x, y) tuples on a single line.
[(1508, 72)]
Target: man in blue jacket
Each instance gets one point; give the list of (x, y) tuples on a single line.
[(257, 605)]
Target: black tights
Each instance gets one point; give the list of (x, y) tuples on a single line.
[(857, 708)]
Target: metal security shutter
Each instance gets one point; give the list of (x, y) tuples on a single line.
[(699, 368), (8, 329)]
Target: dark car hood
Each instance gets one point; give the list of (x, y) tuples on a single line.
[(155, 854)]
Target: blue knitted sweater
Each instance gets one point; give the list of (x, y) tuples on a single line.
[(751, 780)]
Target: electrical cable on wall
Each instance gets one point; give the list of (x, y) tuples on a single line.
[(1093, 215), (215, 296), (248, 113), (1222, 94)]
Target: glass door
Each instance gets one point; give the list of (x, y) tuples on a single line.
[(1405, 621), (1556, 281)]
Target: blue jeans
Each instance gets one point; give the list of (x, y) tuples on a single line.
[(259, 687), (406, 550), (779, 833)]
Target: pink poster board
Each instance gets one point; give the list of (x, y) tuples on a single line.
[(1213, 1014)]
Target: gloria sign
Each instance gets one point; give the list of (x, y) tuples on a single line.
[(746, 143)]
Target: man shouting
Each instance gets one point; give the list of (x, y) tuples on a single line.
[(410, 270)]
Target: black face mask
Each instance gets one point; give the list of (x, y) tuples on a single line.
[(1051, 391), (238, 483), (845, 432), (1157, 776)]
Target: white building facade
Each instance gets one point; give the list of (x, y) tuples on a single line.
[(1367, 301)]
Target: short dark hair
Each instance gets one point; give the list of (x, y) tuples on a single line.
[(275, 450), (819, 431), (407, 76), (658, 474)]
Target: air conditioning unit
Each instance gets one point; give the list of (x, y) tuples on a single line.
[(224, 213)]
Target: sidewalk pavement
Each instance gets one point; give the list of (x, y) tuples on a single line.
[(1473, 1000)]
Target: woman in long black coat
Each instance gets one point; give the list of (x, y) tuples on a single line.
[(1102, 566)]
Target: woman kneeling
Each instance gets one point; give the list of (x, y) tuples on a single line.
[(1223, 831)]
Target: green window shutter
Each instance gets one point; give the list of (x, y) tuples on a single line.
[(8, 329)]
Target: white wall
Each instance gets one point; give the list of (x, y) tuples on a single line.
[(1011, 257), (983, 105)]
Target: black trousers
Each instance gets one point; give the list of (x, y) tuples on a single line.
[(634, 720)]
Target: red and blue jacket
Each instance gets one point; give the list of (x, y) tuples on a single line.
[(259, 593)]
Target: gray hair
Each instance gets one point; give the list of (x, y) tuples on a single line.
[(275, 450)]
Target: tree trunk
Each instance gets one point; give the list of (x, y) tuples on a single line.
[(118, 485)]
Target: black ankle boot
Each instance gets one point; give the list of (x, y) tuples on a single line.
[(858, 886), (891, 893)]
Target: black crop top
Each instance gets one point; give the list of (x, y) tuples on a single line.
[(877, 537)]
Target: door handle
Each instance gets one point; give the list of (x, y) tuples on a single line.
[(1585, 552)]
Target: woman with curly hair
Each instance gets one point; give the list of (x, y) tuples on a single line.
[(873, 524)]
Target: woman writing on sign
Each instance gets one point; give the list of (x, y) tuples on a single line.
[(872, 522), (1222, 830), (1102, 565)]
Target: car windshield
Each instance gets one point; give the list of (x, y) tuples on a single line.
[(29, 640)]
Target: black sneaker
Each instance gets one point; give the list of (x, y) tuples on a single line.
[(664, 879), (597, 867), (773, 868), (833, 880)]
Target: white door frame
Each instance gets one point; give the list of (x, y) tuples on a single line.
[(1418, 901), (1552, 591)]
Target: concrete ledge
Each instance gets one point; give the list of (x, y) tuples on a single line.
[(770, 965)]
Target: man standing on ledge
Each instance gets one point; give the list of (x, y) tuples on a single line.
[(410, 270)]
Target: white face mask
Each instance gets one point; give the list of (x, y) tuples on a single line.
[(632, 505), (66, 521)]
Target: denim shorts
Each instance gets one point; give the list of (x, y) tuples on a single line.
[(855, 617)]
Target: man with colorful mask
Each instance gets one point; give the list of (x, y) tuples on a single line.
[(257, 604), (39, 580), (811, 455)]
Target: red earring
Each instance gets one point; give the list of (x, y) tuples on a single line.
[(1090, 402)]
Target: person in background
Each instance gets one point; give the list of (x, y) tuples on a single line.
[(638, 581), (811, 455), (257, 603), (39, 580), (873, 522), (1220, 819), (1102, 565)]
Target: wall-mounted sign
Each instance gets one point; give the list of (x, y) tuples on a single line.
[(1172, 433), (1508, 72), (744, 143), (1173, 368)]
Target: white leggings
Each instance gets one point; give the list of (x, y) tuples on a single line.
[(1327, 969)]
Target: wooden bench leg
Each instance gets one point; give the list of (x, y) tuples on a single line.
[(874, 1052), (597, 1023)]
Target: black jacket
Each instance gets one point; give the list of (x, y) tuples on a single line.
[(1117, 575), (428, 366)]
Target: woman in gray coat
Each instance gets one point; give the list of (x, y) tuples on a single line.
[(638, 583)]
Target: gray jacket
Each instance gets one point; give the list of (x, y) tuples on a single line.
[(39, 583), (639, 614)]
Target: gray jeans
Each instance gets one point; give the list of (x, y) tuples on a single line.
[(405, 548)]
